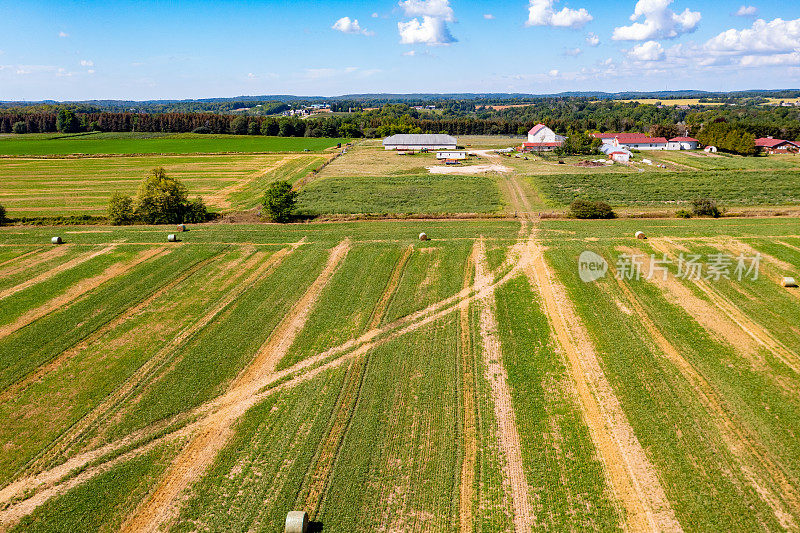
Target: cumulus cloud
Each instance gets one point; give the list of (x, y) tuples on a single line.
[(410, 53), (572, 52), (488, 16), (431, 29), (63, 34), (762, 37), (542, 13), (87, 63), (439, 9), (553, 73), (592, 39), (345, 25), (659, 22), (648, 51), (747, 11)]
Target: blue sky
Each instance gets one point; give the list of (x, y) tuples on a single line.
[(69, 50)]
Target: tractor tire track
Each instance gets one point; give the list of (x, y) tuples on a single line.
[(215, 431), (496, 376), (79, 289), (96, 335), (631, 475), (14, 268), (740, 441), (466, 505)]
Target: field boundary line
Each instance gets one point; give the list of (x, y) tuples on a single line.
[(94, 336), (739, 441), (72, 263), (513, 465), (216, 429), (631, 476), (13, 269), (155, 363), (78, 290)]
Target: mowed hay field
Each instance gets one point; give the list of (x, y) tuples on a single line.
[(468, 383)]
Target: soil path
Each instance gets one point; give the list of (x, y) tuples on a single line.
[(468, 170), (12, 266), (79, 289), (216, 429), (743, 444), (467, 480), (72, 263), (632, 477), (496, 376)]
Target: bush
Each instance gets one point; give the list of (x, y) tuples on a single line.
[(588, 209), (279, 201), (2, 215), (19, 128), (202, 129), (120, 209), (683, 213), (196, 211), (706, 207)]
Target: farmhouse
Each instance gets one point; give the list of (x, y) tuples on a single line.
[(452, 154), (633, 141), (769, 145), (683, 143), (420, 141), (542, 139), (616, 153)]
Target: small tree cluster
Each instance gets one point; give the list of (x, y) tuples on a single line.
[(728, 138), (19, 128), (280, 201), (589, 209), (706, 207), (579, 144), (160, 200)]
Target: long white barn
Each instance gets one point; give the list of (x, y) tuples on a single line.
[(420, 141)]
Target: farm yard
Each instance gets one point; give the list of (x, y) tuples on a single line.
[(470, 382)]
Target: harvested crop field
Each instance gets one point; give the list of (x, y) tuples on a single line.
[(471, 382)]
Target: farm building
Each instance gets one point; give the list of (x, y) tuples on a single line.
[(777, 146), (683, 143), (616, 153), (452, 154), (420, 141), (633, 141), (542, 139)]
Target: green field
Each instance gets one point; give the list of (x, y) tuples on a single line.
[(383, 383), (154, 143)]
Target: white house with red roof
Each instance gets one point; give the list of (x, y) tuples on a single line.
[(683, 143), (633, 141), (541, 139), (777, 146)]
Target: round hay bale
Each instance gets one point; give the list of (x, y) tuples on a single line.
[(423, 236), (789, 282), (640, 235), (181, 227), (56, 240), (172, 237), (296, 522)]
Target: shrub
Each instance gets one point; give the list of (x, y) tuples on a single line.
[(683, 213), (279, 201), (588, 209), (196, 211), (2, 215), (19, 128), (706, 207), (202, 129), (120, 209)]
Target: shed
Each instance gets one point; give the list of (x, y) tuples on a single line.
[(452, 154), (683, 143), (710, 149), (420, 141)]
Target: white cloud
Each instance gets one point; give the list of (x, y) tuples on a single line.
[(573, 52), (63, 34), (345, 25), (251, 76), (553, 73), (648, 51), (747, 11), (431, 31), (775, 36), (774, 60), (87, 63), (541, 13), (375, 15), (439, 9), (410, 53), (90, 71), (488, 16), (592, 39), (660, 22)]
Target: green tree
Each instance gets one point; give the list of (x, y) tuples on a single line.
[(280, 201), (706, 207), (19, 128), (67, 122), (239, 126), (588, 209), (2, 215), (120, 209), (161, 199), (252, 128), (196, 211)]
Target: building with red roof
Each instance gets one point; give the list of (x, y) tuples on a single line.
[(542, 139), (633, 141), (683, 143), (770, 145)]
